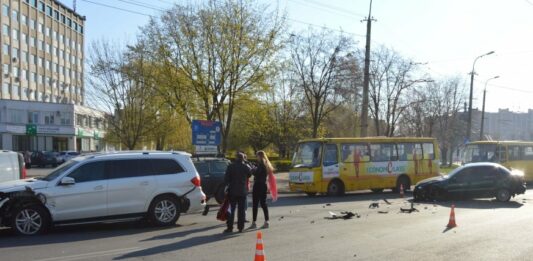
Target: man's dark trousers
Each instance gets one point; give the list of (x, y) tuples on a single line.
[(237, 203)]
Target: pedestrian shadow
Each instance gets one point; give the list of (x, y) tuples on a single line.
[(184, 233), (447, 229), (187, 243)]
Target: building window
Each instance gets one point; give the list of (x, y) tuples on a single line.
[(54, 35), (47, 48), (39, 96), (62, 18), (40, 28), (5, 69), (15, 71), (24, 93), (49, 10), (23, 19), (69, 22), (5, 90), (33, 117), (47, 63), (32, 41), (5, 29), (41, 6), (66, 118), (39, 79), (15, 34), (16, 116), (15, 53), (5, 48), (32, 24), (15, 90), (15, 15), (33, 3), (40, 45), (47, 31), (5, 10), (24, 74), (56, 15), (49, 118), (24, 56), (24, 38), (60, 38)]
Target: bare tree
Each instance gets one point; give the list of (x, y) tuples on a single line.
[(391, 76), (121, 84), (222, 49), (315, 60)]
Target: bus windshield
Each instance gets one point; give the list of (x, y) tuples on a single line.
[(480, 153), (308, 154)]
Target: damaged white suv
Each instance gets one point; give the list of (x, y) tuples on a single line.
[(108, 187)]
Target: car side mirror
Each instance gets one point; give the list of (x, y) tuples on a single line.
[(67, 181)]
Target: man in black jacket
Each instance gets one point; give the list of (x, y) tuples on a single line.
[(236, 175)]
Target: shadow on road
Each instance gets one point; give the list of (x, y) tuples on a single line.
[(186, 243), (475, 203), (184, 233), (300, 199), (77, 233)]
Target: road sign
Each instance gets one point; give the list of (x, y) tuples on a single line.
[(206, 149), (206, 132)]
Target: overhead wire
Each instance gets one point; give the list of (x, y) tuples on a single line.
[(117, 8)]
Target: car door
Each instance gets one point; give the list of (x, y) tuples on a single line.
[(208, 186), (131, 183), (458, 184), (86, 198), (482, 181)]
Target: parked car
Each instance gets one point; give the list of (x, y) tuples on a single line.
[(65, 156), (473, 180), (44, 158), (212, 172), (108, 187), (12, 166)]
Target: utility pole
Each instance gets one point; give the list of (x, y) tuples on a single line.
[(364, 110), (74, 5)]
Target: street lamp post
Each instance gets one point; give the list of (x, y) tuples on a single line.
[(483, 107), (469, 122)]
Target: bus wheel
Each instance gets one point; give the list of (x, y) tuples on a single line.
[(311, 194), (377, 190), (335, 188)]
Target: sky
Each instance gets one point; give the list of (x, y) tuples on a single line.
[(445, 35)]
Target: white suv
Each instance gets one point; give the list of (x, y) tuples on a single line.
[(106, 187)]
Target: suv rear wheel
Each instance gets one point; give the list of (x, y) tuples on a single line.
[(164, 211), (30, 220)]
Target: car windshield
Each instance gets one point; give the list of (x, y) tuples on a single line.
[(308, 154), (58, 171)]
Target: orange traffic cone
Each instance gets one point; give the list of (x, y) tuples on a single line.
[(401, 190), (259, 251), (451, 223)]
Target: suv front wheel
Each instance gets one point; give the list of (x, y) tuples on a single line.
[(164, 211), (30, 220)]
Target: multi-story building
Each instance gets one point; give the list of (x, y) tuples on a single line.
[(42, 93), (42, 52), (505, 125)]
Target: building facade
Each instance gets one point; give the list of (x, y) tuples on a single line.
[(505, 125), (43, 126), (42, 52)]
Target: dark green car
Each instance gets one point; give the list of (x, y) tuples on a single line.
[(212, 172), (475, 180)]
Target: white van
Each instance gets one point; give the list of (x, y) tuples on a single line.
[(11, 166)]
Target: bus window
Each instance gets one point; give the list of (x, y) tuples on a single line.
[(355, 152), (409, 151), (330, 155), (428, 151), (514, 152), (383, 152), (308, 154), (528, 153)]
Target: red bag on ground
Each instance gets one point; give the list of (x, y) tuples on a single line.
[(272, 186), (222, 213)]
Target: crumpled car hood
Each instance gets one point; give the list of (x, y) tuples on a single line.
[(430, 181), (19, 185)]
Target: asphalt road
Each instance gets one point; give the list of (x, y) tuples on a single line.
[(299, 230), (486, 230)]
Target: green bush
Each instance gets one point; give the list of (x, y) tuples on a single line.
[(281, 165)]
